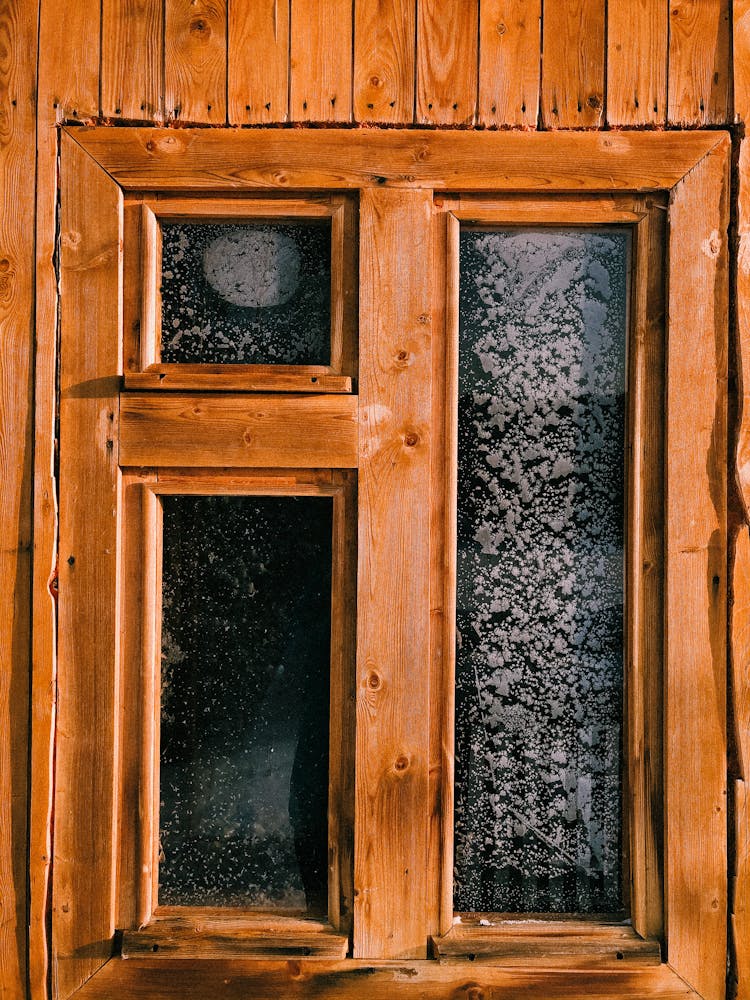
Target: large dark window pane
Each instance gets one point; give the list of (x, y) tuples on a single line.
[(246, 627), (543, 323), (249, 293)]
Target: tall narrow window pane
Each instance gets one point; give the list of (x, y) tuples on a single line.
[(248, 293), (543, 324), (246, 596)]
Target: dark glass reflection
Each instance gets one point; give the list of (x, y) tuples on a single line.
[(246, 293), (244, 708), (543, 321)]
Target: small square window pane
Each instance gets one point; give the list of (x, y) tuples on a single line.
[(246, 293)]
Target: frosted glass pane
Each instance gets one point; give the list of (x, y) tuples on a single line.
[(246, 294), (246, 595), (543, 322)]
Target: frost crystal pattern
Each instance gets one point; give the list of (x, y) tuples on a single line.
[(246, 596), (543, 318), (246, 294)]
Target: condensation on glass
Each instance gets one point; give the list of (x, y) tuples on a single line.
[(247, 293), (246, 622), (539, 666)]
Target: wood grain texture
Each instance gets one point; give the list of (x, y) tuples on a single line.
[(132, 53), (699, 62), (258, 62), (390, 857), (238, 431), (18, 40), (696, 560), (384, 57), (740, 606), (741, 59), (320, 85), (195, 61), (447, 61), (351, 980), (236, 160), (573, 64), (67, 82), (212, 938), (248, 378), (509, 62), (637, 44), (84, 844)]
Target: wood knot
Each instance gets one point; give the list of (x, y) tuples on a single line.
[(594, 102), (401, 763), (375, 81), (501, 28), (411, 439), (423, 318), (373, 681), (198, 26)]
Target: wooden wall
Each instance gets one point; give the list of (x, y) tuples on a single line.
[(521, 64)]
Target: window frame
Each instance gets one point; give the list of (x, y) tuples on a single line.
[(399, 766)]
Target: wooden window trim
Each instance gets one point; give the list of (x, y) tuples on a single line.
[(396, 172)]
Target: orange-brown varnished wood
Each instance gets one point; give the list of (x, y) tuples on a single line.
[(573, 64), (233, 160), (258, 62), (509, 62), (250, 378), (447, 60), (85, 833), (695, 595), (390, 857), (699, 62), (18, 24), (67, 82), (404, 980), (195, 61), (240, 431), (320, 68), (384, 57), (637, 44), (131, 70), (741, 59)]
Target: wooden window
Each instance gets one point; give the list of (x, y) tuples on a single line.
[(383, 410)]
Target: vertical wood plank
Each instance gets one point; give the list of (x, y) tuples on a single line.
[(195, 61), (573, 64), (699, 63), (637, 43), (131, 71), (84, 845), (67, 87), (384, 47), (392, 807), (741, 59), (258, 60), (696, 561), (18, 42), (320, 85), (509, 61), (447, 61), (740, 620)]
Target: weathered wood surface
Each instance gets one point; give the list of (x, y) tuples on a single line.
[(696, 586), (222, 160), (84, 843), (517, 944), (351, 980), (741, 59), (509, 46), (195, 61), (390, 856), (258, 62), (447, 61), (740, 606), (384, 58), (131, 67), (320, 61), (699, 62), (637, 45), (238, 431), (18, 24), (573, 64), (249, 378)]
